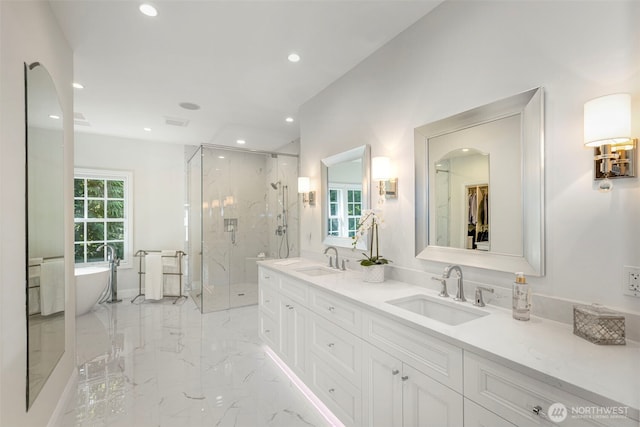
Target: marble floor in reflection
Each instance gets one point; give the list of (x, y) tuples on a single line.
[(160, 364)]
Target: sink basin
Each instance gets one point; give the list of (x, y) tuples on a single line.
[(445, 312), (317, 271)]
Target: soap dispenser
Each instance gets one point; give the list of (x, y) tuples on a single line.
[(521, 298)]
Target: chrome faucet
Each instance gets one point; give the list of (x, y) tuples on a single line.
[(460, 290), (331, 259)]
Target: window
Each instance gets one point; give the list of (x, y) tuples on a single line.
[(101, 214), (345, 210)]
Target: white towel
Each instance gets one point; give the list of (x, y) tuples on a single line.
[(153, 276), (52, 287), (170, 258)]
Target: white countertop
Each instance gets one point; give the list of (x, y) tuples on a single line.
[(541, 348)]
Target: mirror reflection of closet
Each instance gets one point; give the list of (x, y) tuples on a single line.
[(45, 279), (462, 199)]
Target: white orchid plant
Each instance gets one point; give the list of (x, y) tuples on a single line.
[(370, 220)]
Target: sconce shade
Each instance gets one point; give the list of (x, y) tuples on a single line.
[(380, 168), (607, 120), (304, 184)]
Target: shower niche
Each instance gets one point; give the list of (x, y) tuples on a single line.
[(242, 208)]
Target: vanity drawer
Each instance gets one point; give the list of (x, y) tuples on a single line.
[(341, 396), (437, 359), (340, 349), (297, 290), (268, 299), (267, 277), (513, 396), (337, 310), (269, 331)]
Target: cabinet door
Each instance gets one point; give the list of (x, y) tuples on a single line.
[(476, 416), (293, 335), (428, 403), (381, 389)]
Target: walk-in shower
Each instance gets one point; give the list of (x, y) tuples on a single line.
[(242, 207)]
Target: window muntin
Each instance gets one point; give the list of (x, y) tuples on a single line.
[(101, 215)]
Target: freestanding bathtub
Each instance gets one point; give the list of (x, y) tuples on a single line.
[(90, 283)]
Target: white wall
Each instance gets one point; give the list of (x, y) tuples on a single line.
[(29, 33), (466, 54), (158, 192)]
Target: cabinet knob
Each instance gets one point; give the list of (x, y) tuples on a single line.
[(330, 345), (266, 331), (404, 378), (395, 372), (287, 305), (267, 277), (331, 390), (331, 309), (290, 307), (539, 412)]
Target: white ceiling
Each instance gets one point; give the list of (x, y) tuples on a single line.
[(229, 57)]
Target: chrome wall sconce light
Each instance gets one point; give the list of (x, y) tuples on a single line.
[(381, 172), (304, 186), (607, 128)]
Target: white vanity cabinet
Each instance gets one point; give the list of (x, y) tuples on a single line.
[(293, 335), (526, 401), (371, 368), (477, 416), (395, 394)]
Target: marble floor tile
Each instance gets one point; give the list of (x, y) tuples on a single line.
[(156, 364)]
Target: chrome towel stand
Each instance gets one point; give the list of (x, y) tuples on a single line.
[(141, 254)]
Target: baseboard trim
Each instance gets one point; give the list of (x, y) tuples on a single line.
[(68, 393)]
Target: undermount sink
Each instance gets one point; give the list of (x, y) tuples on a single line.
[(451, 314), (318, 271)]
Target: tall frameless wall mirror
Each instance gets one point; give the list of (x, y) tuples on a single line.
[(479, 186), (45, 228), (345, 194)]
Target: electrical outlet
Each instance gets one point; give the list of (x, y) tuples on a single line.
[(631, 281)]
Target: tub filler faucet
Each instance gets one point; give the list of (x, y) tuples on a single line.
[(114, 262)]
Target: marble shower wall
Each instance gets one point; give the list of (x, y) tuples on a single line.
[(240, 215), (283, 169)]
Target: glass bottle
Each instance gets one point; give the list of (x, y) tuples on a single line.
[(521, 298)]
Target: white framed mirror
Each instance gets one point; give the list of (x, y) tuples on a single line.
[(345, 194), (480, 186)]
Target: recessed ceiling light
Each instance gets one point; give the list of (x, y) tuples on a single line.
[(77, 85), (241, 141), (289, 119), (221, 157), (54, 116), (293, 57), (148, 10), (464, 150), (147, 129), (189, 106)]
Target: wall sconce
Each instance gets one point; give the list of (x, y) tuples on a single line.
[(304, 185), (607, 128), (381, 172)]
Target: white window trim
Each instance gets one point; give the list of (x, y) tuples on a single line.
[(342, 205), (127, 262)]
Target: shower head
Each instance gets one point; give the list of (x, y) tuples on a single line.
[(275, 185)]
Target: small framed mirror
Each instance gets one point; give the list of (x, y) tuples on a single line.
[(345, 194), (480, 186)]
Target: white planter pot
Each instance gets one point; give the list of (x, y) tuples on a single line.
[(373, 273)]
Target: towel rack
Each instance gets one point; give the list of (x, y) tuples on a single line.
[(141, 254)]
